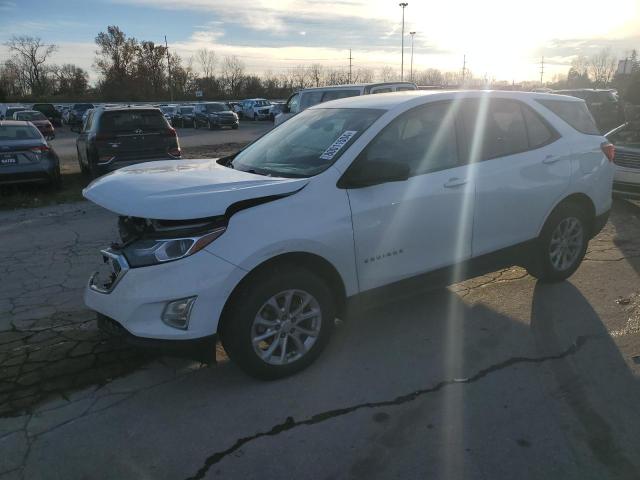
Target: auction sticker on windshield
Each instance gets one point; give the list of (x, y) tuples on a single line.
[(335, 147)]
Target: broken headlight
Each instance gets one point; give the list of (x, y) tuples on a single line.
[(145, 252)]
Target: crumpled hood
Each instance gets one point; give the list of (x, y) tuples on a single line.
[(182, 189)]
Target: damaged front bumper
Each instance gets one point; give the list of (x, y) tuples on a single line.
[(137, 298)]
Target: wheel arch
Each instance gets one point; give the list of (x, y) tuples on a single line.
[(311, 261), (580, 199)]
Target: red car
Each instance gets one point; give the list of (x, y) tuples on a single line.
[(39, 120)]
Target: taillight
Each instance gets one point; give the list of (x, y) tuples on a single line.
[(609, 150), (171, 132), (40, 149)]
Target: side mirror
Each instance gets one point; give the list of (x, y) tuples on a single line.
[(374, 172)]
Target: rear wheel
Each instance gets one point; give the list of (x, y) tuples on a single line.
[(255, 117), (56, 179), (562, 244), (83, 168), (279, 322), (195, 123)]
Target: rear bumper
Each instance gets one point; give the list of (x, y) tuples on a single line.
[(599, 222), (41, 172)]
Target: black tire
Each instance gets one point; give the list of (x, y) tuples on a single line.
[(235, 127), (542, 264), (250, 299), (83, 168), (255, 117), (195, 123), (56, 180)]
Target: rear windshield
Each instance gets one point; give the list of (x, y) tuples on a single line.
[(11, 111), (575, 114), (130, 121), (18, 132), (215, 107), (30, 116), (45, 107)]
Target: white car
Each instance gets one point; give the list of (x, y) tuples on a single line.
[(626, 139), (348, 202), (255, 109)]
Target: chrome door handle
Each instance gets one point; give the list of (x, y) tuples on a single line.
[(455, 182), (550, 159)]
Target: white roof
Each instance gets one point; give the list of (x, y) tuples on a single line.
[(388, 101)]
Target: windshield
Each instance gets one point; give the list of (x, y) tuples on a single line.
[(262, 103), (30, 116), (186, 110), (168, 109), (629, 136), (215, 107), (82, 106), (307, 144)]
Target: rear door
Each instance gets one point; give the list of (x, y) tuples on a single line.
[(522, 168)]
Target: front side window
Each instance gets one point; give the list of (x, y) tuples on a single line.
[(307, 144), (423, 138), (294, 103)]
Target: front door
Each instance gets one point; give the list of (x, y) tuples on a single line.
[(402, 229)]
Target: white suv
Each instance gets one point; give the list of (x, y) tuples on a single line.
[(347, 200), (256, 109)]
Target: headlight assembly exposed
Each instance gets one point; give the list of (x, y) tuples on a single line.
[(145, 252)]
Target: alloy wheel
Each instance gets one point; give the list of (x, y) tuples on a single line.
[(567, 241), (286, 327)]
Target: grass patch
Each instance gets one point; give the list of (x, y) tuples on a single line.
[(33, 195)]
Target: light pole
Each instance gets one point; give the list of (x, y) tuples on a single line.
[(403, 5), (412, 35)]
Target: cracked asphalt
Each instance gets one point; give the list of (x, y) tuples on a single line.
[(498, 377)]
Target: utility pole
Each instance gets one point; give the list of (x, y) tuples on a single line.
[(166, 47), (541, 70), (464, 67), (403, 5), (412, 35), (350, 58)]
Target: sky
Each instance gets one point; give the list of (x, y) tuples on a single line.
[(501, 39)]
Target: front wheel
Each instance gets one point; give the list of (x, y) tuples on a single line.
[(279, 322), (561, 246)]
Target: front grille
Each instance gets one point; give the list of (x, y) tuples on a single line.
[(627, 158)]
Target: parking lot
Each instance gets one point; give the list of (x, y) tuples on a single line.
[(191, 140), (499, 377)]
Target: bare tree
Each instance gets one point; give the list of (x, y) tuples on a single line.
[(29, 56), (363, 75), (316, 74), (602, 67), (232, 74), (387, 74), (207, 60), (430, 76), (70, 79)]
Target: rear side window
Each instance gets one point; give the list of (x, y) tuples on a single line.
[(575, 114), (539, 132), (336, 94), (130, 121), (497, 126), (18, 132)]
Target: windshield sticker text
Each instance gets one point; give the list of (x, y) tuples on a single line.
[(335, 147)]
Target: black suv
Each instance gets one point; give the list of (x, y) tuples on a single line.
[(183, 116), (49, 111), (214, 115), (77, 112), (112, 138), (607, 111)]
